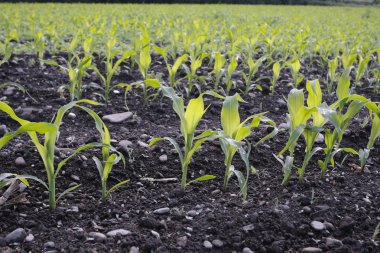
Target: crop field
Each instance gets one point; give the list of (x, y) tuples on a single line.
[(189, 128)]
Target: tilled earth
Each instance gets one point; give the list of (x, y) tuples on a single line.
[(338, 213)]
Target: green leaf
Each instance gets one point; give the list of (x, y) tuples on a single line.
[(202, 178)]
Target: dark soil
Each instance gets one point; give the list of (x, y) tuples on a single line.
[(276, 218)]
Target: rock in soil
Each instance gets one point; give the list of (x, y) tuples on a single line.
[(16, 236), (117, 117), (117, 232)]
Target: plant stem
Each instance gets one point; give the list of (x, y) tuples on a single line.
[(226, 173)]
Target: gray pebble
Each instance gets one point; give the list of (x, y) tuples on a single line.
[(320, 139), (317, 225), (217, 243), (16, 236), (134, 250), (161, 211), (3, 130), (29, 238), (207, 244), (248, 228), (117, 117), (20, 162), (98, 236), (163, 158), (49, 245), (125, 145), (247, 250), (311, 250), (116, 232), (182, 241), (333, 243), (71, 115)]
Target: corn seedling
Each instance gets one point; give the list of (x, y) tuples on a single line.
[(253, 68), (230, 70), (348, 59), (219, 62), (362, 67), (238, 131), (295, 67), (46, 149), (8, 46), (297, 119), (340, 120), (196, 63), (76, 74), (333, 65), (276, 74), (172, 70), (189, 120), (111, 67), (375, 134)]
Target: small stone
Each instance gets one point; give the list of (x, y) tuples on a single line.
[(306, 209), (20, 162), (347, 224), (248, 228), (9, 91), (71, 115), (142, 144), (182, 241), (16, 236), (125, 145), (134, 250), (333, 243), (117, 117), (116, 232), (29, 238), (192, 213), (217, 243), (164, 210), (330, 227), (3, 130), (311, 250), (75, 177), (317, 225), (49, 245), (283, 127), (163, 158), (207, 244), (155, 233), (99, 237), (320, 139), (247, 250)]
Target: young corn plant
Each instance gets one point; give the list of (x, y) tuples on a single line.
[(362, 68), (375, 134), (348, 59), (218, 71), (105, 165), (276, 74), (295, 66), (333, 65), (340, 119), (297, 119), (76, 74), (50, 131), (111, 67), (253, 68), (172, 69), (238, 131), (189, 120), (230, 70), (196, 63), (9, 45), (309, 131)]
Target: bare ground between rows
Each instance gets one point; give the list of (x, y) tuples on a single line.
[(275, 219)]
